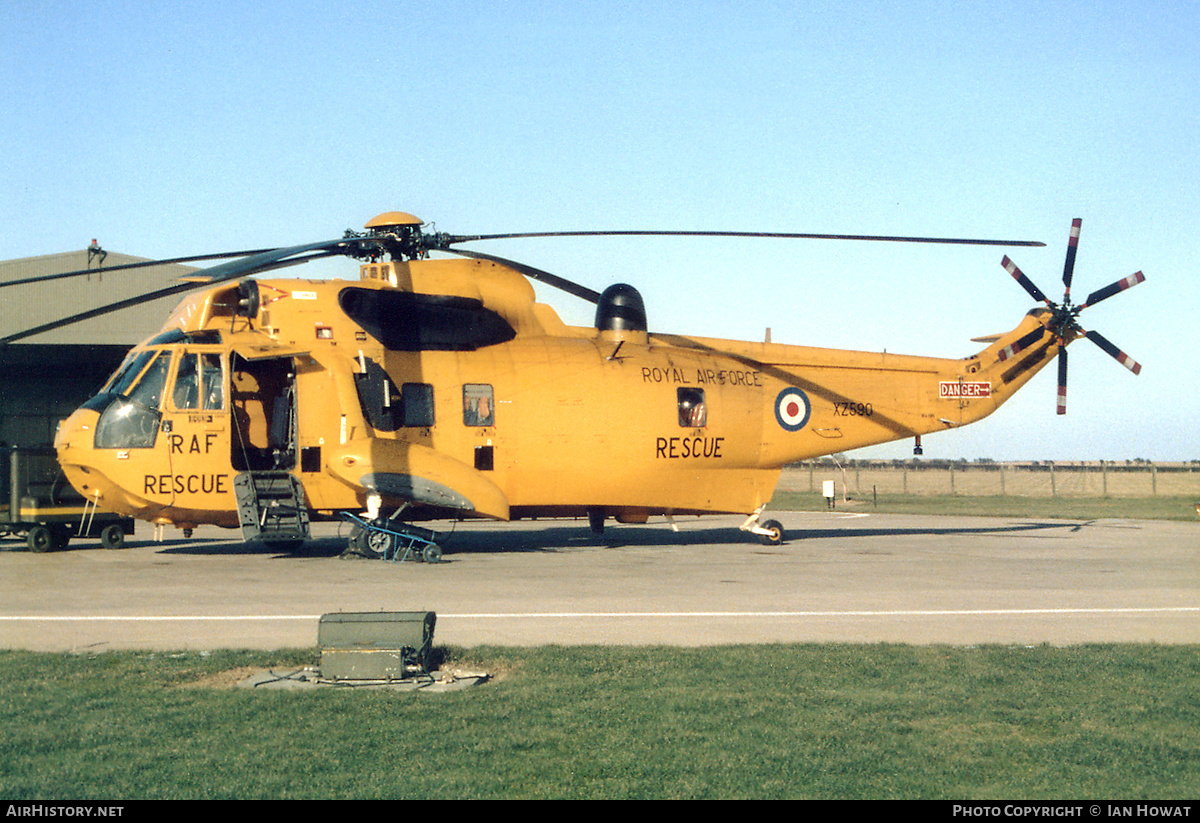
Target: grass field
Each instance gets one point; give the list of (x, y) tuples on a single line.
[(802, 721)]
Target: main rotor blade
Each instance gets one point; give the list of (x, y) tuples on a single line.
[(1062, 380), (1072, 246), (178, 288), (123, 266), (546, 277), (1025, 282), (278, 258), (266, 261), (452, 239), (1113, 288), (1115, 353), (1020, 345)]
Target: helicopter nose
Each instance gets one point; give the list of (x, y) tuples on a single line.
[(78, 429), (73, 443)]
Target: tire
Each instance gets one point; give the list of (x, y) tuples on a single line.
[(112, 537), (370, 543), (432, 553), (40, 539), (775, 533)]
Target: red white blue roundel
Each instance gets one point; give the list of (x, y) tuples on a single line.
[(792, 409)]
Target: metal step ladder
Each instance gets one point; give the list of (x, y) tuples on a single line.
[(271, 506)]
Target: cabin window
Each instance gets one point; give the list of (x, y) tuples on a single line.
[(479, 405), (693, 412), (417, 400)]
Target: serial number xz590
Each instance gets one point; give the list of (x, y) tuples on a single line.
[(853, 410)]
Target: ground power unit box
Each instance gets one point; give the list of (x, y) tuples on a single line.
[(375, 645)]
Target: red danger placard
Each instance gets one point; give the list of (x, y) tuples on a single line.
[(964, 389)]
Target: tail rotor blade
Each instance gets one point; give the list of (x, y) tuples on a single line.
[(1072, 246), (1020, 345), (1115, 353), (1114, 288), (1025, 282), (1062, 381)]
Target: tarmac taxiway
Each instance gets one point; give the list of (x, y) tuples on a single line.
[(840, 577)]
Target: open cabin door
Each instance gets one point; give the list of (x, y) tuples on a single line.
[(263, 452)]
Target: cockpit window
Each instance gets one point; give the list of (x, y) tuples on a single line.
[(131, 421), (149, 389), (198, 382), (123, 378), (136, 361)]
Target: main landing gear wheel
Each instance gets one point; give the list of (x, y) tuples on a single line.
[(768, 532), (773, 535), (370, 543), (392, 540)]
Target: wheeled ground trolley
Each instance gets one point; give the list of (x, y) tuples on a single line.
[(37, 503)]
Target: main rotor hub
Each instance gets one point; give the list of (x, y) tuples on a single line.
[(399, 233), (393, 220)]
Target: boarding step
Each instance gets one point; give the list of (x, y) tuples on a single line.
[(271, 506)]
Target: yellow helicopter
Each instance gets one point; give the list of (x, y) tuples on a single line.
[(439, 388)]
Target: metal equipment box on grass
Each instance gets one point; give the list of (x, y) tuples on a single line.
[(375, 645)]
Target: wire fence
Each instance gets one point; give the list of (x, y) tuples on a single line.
[(1043, 479)]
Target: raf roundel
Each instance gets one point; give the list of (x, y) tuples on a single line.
[(792, 409)]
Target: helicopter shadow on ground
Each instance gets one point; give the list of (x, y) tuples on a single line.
[(321, 547), (204, 546), (931, 531), (559, 538), (562, 538), (568, 538)]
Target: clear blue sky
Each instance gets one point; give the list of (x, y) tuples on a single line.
[(171, 129)]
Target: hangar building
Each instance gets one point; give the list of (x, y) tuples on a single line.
[(45, 377)]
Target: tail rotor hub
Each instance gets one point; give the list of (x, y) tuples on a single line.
[(1064, 316)]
